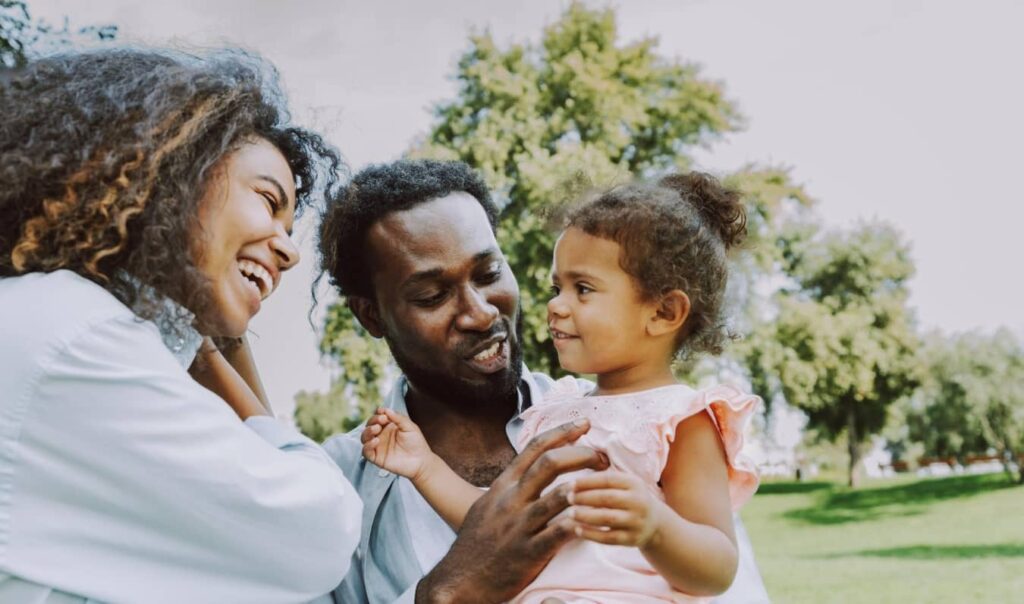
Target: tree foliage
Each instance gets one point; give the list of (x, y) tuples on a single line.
[(842, 345), (21, 37), (971, 397)]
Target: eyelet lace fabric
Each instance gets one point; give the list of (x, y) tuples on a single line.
[(637, 429)]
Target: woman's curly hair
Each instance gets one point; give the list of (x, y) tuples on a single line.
[(673, 234), (105, 156)]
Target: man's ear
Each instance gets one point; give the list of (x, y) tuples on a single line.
[(367, 314), (670, 313)]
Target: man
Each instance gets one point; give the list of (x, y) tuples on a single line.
[(411, 245)]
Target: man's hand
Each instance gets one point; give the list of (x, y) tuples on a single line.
[(508, 537), (394, 442)]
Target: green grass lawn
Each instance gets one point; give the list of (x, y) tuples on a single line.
[(956, 539)]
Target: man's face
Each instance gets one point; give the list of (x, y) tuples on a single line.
[(447, 301)]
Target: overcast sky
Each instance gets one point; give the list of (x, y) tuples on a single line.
[(910, 112)]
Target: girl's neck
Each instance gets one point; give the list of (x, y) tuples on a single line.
[(634, 379)]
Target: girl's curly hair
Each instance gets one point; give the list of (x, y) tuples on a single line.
[(673, 234), (105, 156)]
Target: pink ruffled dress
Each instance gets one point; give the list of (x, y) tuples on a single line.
[(634, 430)]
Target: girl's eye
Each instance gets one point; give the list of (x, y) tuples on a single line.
[(582, 289), (555, 290)]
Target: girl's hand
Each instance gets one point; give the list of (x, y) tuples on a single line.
[(395, 443), (615, 508)]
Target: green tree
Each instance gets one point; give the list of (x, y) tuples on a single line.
[(971, 398), (841, 346), (21, 38), (353, 395)]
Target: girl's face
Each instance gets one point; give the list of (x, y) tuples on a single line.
[(245, 242), (597, 318)]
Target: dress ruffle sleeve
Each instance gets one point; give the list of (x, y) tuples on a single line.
[(730, 409)]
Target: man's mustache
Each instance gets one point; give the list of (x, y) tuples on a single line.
[(473, 342)]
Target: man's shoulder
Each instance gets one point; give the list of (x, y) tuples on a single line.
[(346, 450)]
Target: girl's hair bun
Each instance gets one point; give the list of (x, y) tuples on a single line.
[(720, 207)]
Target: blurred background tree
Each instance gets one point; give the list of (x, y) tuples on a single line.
[(842, 346), (22, 38)]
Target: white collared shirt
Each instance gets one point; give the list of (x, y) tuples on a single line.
[(123, 480)]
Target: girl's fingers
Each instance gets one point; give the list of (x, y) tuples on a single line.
[(402, 421), (609, 479), (604, 498), (597, 535), (370, 450), (603, 517), (369, 432)]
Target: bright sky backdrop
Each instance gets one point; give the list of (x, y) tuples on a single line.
[(906, 111)]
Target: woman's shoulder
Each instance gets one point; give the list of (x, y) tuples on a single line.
[(53, 300), (45, 313)]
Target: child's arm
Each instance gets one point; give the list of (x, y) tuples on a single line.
[(395, 443), (689, 539)]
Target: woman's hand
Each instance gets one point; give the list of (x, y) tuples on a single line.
[(615, 508), (394, 442), (214, 373)]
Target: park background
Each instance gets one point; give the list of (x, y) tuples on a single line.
[(877, 143)]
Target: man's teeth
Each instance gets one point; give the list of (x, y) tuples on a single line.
[(483, 355), (253, 270)]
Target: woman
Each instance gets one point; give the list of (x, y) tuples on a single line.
[(147, 203)]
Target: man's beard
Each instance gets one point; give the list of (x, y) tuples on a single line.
[(500, 390)]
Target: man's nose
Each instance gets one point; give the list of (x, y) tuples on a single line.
[(476, 312)]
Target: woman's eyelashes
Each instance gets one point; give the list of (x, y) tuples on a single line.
[(272, 201)]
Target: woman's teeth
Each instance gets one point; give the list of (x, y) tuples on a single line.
[(257, 274), (484, 355)]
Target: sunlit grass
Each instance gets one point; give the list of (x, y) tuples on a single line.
[(957, 539)]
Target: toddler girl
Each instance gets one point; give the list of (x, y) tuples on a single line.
[(638, 278)]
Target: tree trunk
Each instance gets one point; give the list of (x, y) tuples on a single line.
[(853, 445)]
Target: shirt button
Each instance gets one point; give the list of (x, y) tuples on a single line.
[(383, 473)]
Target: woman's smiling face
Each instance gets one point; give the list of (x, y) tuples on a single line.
[(244, 243)]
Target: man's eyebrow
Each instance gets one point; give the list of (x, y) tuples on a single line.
[(280, 191), (434, 273), (485, 255)]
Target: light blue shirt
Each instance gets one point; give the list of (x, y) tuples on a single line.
[(388, 563), (123, 480)]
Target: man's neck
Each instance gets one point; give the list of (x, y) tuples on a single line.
[(473, 442)]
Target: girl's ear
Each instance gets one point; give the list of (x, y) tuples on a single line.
[(367, 314), (670, 314)]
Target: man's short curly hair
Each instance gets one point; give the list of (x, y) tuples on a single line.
[(376, 192), (106, 155)]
